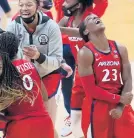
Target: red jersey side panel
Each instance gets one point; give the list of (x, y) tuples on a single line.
[(32, 85)]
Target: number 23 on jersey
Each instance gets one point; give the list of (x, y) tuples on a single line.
[(111, 75)]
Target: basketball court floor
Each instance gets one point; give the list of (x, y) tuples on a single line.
[(119, 23)]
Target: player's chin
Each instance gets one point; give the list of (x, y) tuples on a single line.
[(101, 27)]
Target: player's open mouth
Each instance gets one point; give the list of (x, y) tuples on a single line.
[(97, 21), (25, 14)]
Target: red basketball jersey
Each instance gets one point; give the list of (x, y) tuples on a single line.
[(75, 42), (107, 68), (32, 84)]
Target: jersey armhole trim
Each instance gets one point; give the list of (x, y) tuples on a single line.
[(116, 46)]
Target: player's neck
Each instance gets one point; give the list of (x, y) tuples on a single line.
[(100, 41), (32, 26), (77, 19)]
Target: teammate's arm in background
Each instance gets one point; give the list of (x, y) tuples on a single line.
[(85, 61), (5, 6), (74, 32), (100, 7), (127, 81), (58, 7)]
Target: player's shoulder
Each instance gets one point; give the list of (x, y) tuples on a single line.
[(122, 48), (63, 22), (19, 61), (85, 54)]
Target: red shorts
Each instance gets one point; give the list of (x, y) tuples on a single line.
[(124, 127), (51, 83), (78, 93), (101, 123), (33, 127)]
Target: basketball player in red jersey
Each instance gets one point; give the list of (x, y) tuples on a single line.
[(43, 7), (21, 97), (75, 12), (99, 8), (105, 73)]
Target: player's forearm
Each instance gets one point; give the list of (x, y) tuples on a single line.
[(127, 79), (5, 6), (72, 32), (127, 86), (127, 82), (96, 92)]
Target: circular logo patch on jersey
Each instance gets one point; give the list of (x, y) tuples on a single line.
[(115, 51), (96, 54), (43, 39)]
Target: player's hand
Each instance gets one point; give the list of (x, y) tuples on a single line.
[(1, 134), (117, 112), (31, 52), (68, 69), (26, 58), (126, 99)]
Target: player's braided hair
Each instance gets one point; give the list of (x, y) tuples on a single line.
[(11, 88), (8, 50)]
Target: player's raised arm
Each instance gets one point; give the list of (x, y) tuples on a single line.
[(100, 7), (72, 32), (85, 61)]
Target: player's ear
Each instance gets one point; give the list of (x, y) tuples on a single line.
[(86, 32), (79, 5)]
